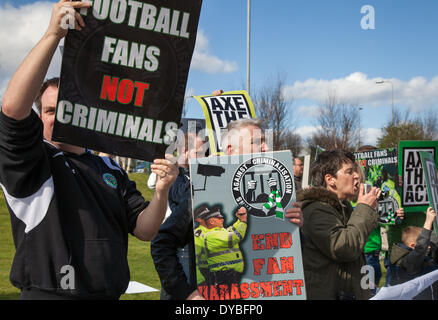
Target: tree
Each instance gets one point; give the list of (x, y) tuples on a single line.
[(338, 125), (429, 123), (292, 141), (275, 111), (405, 127)]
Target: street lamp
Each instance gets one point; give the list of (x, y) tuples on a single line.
[(184, 110), (359, 145), (248, 30), (392, 88)]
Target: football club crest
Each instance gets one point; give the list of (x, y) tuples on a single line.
[(110, 180), (264, 186), (387, 208)]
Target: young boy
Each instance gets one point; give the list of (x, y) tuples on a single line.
[(412, 257)]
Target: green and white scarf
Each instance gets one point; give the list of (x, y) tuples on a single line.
[(274, 200)]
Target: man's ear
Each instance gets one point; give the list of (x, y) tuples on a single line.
[(229, 149), (330, 181)]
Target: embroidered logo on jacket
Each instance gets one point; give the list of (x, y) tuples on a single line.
[(110, 180)]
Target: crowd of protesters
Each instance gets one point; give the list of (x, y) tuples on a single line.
[(64, 214)]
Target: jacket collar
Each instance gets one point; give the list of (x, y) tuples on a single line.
[(320, 194)]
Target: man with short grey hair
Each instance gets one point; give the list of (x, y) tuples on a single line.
[(247, 136), (244, 136)]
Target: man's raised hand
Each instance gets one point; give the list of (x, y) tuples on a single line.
[(166, 170), (64, 17)]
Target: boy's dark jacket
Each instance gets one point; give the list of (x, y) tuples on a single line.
[(411, 263), (335, 239)]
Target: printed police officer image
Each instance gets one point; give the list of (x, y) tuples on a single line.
[(219, 247)]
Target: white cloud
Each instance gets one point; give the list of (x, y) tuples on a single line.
[(308, 111), (20, 30), (22, 27), (204, 61), (369, 136), (417, 93), (306, 131)]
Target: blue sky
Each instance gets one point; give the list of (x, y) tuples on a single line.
[(318, 45)]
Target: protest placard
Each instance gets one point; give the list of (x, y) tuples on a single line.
[(414, 190), (380, 168), (318, 150), (221, 110), (306, 172), (430, 174), (245, 247), (123, 77)]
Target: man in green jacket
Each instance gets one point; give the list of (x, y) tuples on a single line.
[(335, 233)]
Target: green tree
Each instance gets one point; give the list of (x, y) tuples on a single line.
[(422, 127), (393, 133)]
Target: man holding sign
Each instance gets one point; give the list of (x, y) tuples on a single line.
[(242, 136), (71, 211)]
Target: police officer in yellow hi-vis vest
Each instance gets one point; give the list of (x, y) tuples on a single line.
[(219, 258)]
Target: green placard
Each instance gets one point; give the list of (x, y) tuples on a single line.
[(380, 170), (430, 174), (413, 189)]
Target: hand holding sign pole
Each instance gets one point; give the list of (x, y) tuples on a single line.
[(430, 174)]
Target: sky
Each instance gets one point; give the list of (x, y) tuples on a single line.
[(318, 46)]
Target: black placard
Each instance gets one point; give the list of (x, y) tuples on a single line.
[(123, 77)]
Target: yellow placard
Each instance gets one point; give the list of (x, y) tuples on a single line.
[(219, 110)]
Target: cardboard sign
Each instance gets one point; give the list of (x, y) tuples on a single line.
[(318, 151), (381, 170), (414, 190), (221, 110), (430, 174), (255, 252), (123, 77), (306, 172)]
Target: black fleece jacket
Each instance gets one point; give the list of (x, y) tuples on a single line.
[(176, 232)]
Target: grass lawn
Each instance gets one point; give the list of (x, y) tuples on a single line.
[(140, 261)]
